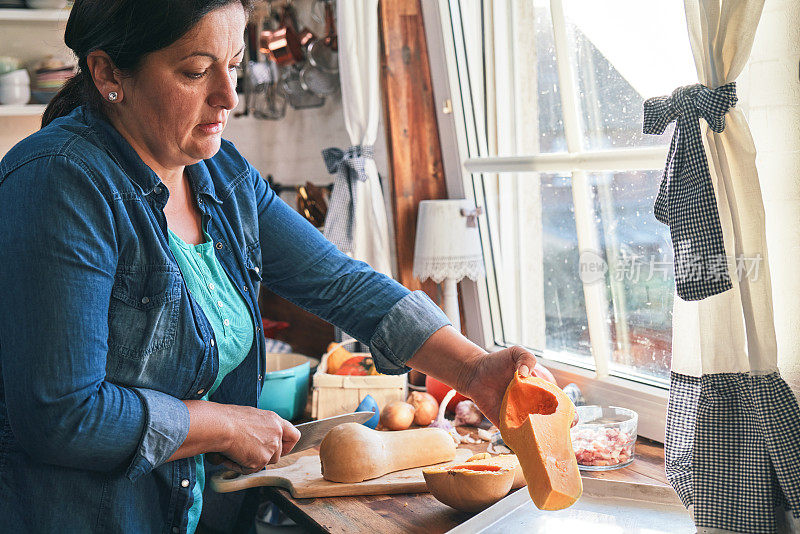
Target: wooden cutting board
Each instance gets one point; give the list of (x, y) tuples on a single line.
[(304, 480)]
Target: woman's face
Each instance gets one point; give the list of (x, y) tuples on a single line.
[(176, 105)]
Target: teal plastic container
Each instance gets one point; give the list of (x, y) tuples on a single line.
[(285, 389)]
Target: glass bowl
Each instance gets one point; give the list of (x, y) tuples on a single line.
[(604, 437)]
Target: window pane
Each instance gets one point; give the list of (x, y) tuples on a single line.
[(623, 52), (533, 245), (540, 76), (640, 280), (565, 307), (467, 27), (508, 77)]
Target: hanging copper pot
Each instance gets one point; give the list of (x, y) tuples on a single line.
[(331, 38), (283, 44)]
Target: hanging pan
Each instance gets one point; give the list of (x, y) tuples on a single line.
[(322, 53)]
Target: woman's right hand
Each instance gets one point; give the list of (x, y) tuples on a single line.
[(256, 438)]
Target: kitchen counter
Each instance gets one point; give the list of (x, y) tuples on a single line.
[(421, 512)]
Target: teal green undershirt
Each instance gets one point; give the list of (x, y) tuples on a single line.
[(229, 317)]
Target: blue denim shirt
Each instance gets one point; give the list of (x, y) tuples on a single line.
[(100, 339)]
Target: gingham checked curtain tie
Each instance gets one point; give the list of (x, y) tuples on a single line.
[(686, 201), (348, 166)]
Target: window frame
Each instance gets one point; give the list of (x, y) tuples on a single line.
[(649, 399)]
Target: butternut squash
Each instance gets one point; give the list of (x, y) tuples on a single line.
[(535, 418), (502, 460), (471, 486), (354, 453)]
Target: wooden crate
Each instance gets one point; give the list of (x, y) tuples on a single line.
[(335, 394)]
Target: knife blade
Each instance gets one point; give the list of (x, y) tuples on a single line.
[(311, 433)]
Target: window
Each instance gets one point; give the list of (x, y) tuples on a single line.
[(546, 108)]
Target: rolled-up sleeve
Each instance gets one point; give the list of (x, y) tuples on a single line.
[(166, 424), (303, 267), (59, 257), (403, 330)]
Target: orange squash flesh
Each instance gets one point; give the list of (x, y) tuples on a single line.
[(476, 467), (535, 418), (468, 487), (503, 460)]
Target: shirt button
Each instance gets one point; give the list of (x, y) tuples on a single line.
[(219, 245), (219, 303), (201, 391), (226, 322), (211, 286), (256, 269), (145, 300), (212, 342), (157, 190), (185, 483), (260, 377)]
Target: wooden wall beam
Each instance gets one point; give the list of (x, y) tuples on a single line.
[(412, 135)]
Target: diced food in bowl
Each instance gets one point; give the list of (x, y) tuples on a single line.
[(604, 437)]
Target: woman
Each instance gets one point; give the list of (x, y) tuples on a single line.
[(134, 243)]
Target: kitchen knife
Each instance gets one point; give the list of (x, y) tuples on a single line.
[(311, 433)]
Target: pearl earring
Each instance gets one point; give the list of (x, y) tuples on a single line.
[(112, 96)]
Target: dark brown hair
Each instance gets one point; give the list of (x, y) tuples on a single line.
[(126, 30)]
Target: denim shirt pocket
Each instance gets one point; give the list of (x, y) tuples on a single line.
[(143, 313)]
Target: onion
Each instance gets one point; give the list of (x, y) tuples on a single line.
[(397, 415), (425, 407)]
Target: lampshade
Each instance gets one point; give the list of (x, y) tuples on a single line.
[(448, 245)]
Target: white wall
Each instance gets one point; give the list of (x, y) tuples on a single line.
[(771, 96), (291, 148), (15, 129)]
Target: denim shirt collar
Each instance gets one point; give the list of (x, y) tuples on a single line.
[(139, 172), (201, 182)]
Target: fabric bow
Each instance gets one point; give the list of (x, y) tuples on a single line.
[(686, 200), (349, 167)]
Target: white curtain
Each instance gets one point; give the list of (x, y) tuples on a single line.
[(357, 27), (733, 426), (733, 331), (772, 95)]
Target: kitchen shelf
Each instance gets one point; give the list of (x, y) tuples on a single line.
[(19, 111), (34, 15)]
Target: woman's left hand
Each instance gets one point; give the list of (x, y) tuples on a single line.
[(486, 377)]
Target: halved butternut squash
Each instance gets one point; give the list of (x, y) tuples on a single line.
[(469, 487), (535, 418)]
